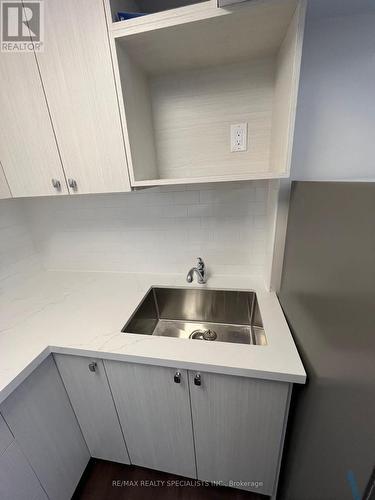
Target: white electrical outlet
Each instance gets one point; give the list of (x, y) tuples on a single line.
[(238, 137)]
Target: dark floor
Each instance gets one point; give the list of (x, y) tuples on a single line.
[(110, 481)]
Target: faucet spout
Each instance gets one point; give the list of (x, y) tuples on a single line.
[(200, 271)]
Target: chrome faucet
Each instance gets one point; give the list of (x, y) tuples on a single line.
[(200, 270)]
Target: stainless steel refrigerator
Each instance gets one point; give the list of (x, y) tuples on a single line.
[(328, 297)]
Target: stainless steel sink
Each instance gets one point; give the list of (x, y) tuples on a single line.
[(209, 315)]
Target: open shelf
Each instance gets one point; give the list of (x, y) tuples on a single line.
[(184, 85), (146, 7)]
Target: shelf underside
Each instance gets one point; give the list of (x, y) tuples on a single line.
[(206, 180)]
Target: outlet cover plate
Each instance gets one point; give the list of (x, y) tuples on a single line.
[(238, 137)]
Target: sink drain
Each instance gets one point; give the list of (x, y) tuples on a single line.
[(203, 335)]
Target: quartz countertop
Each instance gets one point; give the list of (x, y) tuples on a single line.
[(83, 313)]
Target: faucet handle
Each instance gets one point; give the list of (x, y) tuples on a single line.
[(200, 270)]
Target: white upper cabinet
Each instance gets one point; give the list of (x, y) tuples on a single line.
[(77, 74), (155, 100), (28, 150), (186, 76)]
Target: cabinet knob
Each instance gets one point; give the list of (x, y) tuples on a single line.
[(197, 379), (177, 377), (56, 184), (92, 366), (72, 184)]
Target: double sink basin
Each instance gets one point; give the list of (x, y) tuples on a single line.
[(199, 314)]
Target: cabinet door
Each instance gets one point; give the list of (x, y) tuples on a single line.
[(77, 74), (155, 416), (17, 479), (43, 423), (93, 405), (238, 428), (28, 150)]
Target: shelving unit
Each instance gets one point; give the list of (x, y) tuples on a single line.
[(151, 9), (185, 76)]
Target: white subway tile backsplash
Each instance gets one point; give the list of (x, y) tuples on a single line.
[(17, 251), (154, 230)]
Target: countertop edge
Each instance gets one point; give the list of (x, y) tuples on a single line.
[(291, 378), (188, 365)]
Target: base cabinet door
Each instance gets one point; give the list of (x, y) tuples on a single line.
[(238, 429), (17, 479), (154, 410), (40, 417), (87, 386)]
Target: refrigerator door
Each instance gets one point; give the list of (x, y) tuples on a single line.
[(328, 296)]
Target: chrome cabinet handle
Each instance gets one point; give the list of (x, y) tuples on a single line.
[(56, 184), (72, 184), (92, 366), (177, 377), (197, 379)]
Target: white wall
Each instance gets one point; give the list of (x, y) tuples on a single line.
[(335, 128), (335, 125), (160, 230), (17, 251)]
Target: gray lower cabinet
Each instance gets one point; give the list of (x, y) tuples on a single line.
[(87, 386), (17, 479), (239, 426), (41, 418), (219, 428), (154, 410)]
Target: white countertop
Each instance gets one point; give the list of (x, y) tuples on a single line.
[(83, 313)]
